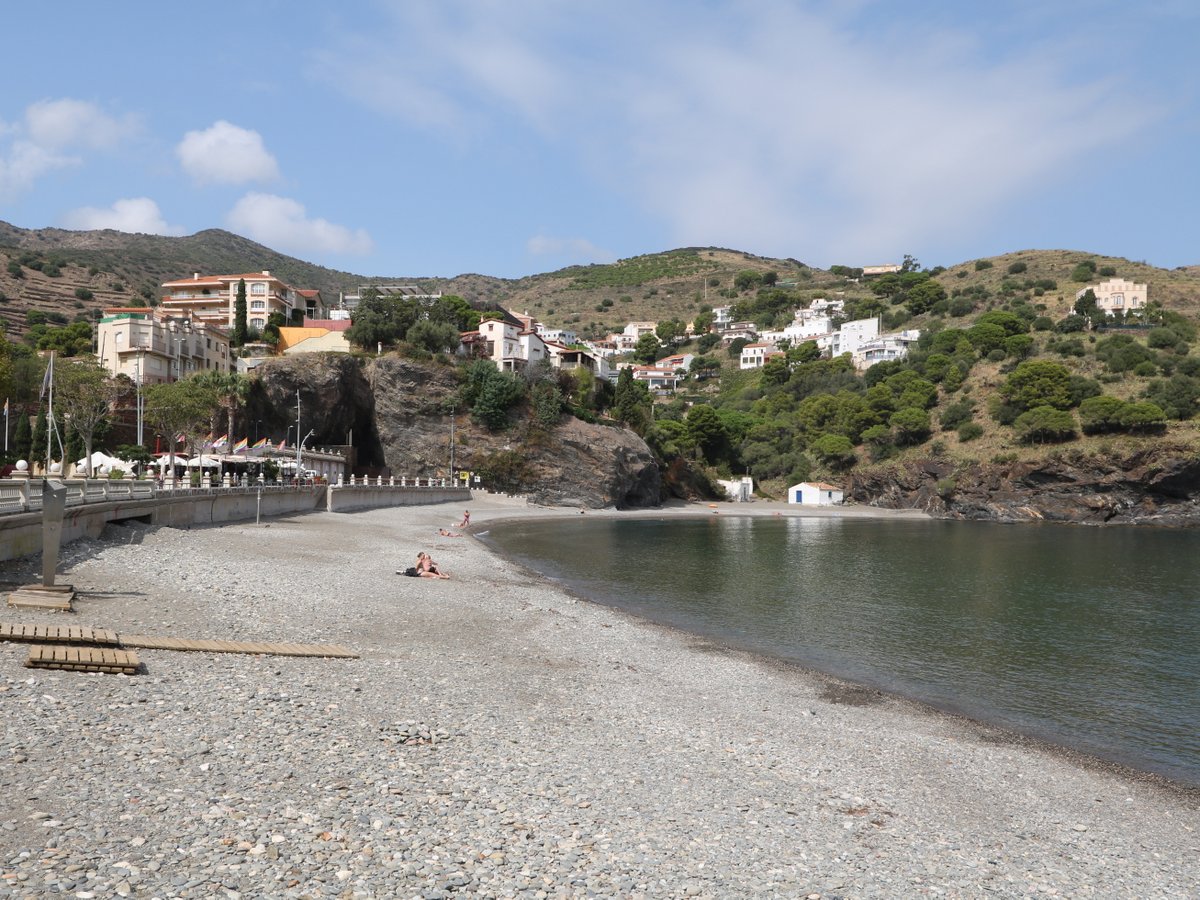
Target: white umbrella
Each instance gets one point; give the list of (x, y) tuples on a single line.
[(99, 459), (204, 462)]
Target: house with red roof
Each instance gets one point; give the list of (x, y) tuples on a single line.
[(212, 299)]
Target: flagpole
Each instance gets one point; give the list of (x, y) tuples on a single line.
[(49, 413), (6, 426)]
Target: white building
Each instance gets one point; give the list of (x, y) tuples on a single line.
[(680, 362), (657, 378), (558, 335), (886, 269), (739, 490), (851, 336), (1116, 295), (150, 346), (722, 316), (814, 493), (885, 348), (755, 356)]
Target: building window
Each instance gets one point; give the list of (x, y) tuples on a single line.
[(257, 323), (258, 289), (258, 304)]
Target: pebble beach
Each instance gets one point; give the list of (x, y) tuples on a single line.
[(499, 737)]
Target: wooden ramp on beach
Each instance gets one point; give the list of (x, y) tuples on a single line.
[(147, 642), (85, 635), (83, 659), (57, 634)]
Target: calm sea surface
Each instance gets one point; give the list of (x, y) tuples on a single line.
[(1086, 637)]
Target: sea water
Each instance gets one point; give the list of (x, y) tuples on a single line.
[(1086, 637)]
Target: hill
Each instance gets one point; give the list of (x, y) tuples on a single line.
[(72, 274)]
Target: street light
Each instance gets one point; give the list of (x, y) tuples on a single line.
[(257, 422), (179, 342)]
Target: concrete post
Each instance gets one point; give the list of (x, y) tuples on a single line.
[(54, 503)]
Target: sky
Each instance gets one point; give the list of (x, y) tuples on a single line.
[(511, 137)]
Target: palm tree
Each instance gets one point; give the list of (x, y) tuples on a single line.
[(231, 390)]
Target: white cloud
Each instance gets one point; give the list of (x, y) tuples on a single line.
[(75, 123), (283, 224), (135, 215), (577, 250), (833, 131), (226, 154), (23, 163), (49, 130)]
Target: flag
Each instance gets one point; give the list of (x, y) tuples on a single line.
[(220, 442), (260, 444), (48, 377), (283, 443), (208, 440), (240, 445), (181, 438)]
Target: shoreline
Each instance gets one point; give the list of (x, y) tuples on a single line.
[(837, 685), (572, 749)]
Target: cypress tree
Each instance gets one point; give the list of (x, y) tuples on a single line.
[(37, 445), (23, 438), (239, 315)]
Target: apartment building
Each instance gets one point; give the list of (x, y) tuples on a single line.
[(213, 299), (150, 345)]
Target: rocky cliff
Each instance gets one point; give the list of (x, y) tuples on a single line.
[(1159, 486), (397, 414)]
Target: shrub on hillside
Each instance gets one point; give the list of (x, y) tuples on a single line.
[(1017, 268), (981, 264), (969, 431)]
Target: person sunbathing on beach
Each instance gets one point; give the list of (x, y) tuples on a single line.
[(428, 568), (414, 572), (444, 533)]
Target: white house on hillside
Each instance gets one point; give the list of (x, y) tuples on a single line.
[(755, 356), (851, 336), (1116, 295), (885, 348)]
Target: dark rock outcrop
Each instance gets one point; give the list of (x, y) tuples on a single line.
[(336, 402), (397, 413), (1159, 486)]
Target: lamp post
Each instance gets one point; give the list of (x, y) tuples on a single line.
[(257, 422), (179, 342), (139, 401)]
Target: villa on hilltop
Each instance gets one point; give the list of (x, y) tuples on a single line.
[(1116, 295)]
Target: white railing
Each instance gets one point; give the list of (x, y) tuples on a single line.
[(23, 495)]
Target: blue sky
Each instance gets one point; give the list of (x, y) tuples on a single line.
[(508, 138)]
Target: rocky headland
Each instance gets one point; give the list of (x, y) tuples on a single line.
[(1153, 486), (397, 413)]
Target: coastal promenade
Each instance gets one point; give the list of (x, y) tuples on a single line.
[(499, 737), (92, 503)]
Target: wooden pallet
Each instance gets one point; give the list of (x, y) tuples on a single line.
[(147, 642), (37, 597), (83, 659), (57, 634)]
